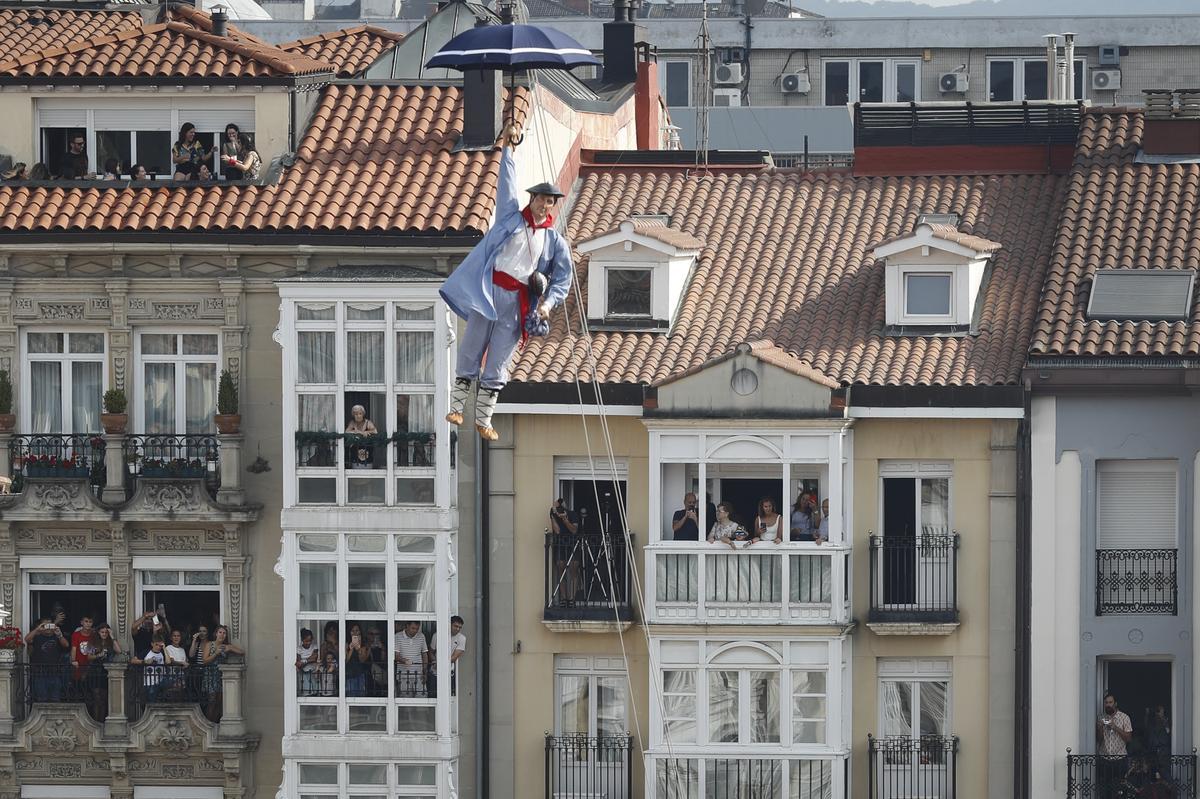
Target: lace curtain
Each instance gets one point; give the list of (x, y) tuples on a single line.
[(159, 398), (364, 357), (200, 388), (414, 358), (315, 355), (87, 392), (45, 397), (935, 506), (679, 705)]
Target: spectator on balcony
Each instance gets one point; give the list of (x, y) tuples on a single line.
[(198, 645), (329, 641), (685, 524), (244, 163), (145, 628), (458, 645), (412, 658), (822, 532), (308, 657), (377, 658), (564, 524), (361, 455), (1113, 733), (728, 531), (39, 172), (768, 524), (803, 524), (79, 639), (358, 663), (153, 665), (327, 675), (112, 169), (18, 172), (47, 646), (218, 650), (187, 154), (138, 172), (101, 649), (176, 654), (1158, 738), (75, 161)]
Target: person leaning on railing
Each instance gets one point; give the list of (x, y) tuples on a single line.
[(728, 531), (215, 654)]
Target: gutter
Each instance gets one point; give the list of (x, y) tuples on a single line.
[(1024, 593)]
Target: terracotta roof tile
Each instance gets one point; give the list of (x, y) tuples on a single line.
[(34, 30), (169, 50), (786, 261), (349, 50), (1119, 214), (363, 143)]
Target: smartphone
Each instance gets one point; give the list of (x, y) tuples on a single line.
[(156, 621)]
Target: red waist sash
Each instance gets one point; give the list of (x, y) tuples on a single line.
[(509, 283)]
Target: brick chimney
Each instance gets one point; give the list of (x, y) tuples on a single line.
[(1172, 122), (621, 36), (646, 107)]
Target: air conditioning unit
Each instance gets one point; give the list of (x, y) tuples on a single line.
[(1106, 80), (727, 98), (1110, 55), (795, 83), (728, 74), (953, 82)]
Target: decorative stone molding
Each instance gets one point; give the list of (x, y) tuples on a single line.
[(176, 311), (177, 543), (58, 495), (59, 736), (174, 736), (172, 497), (60, 310)]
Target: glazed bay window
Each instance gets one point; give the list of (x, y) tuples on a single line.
[(65, 381), (366, 385), (329, 780)]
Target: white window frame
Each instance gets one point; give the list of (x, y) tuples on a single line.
[(688, 82), (64, 359), (950, 314), (391, 790), (1018, 63), (181, 361), (960, 291), (916, 671), (592, 669), (207, 563), (68, 565), (854, 91), (651, 269)]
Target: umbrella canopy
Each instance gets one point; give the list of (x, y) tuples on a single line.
[(512, 47)]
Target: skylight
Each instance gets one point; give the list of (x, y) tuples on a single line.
[(1141, 294)]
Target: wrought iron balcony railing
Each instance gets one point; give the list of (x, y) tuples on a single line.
[(743, 777), (1148, 775), (914, 578), (60, 684), (57, 455), (587, 576), (172, 456), (1136, 581), (579, 766), (902, 767)]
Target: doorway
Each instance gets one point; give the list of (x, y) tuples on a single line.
[(1141, 687), (744, 493)]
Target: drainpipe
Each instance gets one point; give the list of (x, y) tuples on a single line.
[(1051, 65), (1024, 592), (748, 22), (1069, 52), (482, 662)]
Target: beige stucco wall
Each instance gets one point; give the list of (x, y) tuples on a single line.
[(271, 122), (16, 134), (967, 443), (538, 439)]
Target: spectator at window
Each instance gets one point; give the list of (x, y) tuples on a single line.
[(176, 654), (107, 647), (412, 659), (138, 172), (112, 169), (47, 645), (203, 175), (728, 531), (361, 455), (768, 524), (18, 172), (230, 148), (458, 646), (802, 524), (39, 172), (822, 533), (685, 524), (329, 641), (307, 663), (377, 658), (75, 161), (154, 668), (145, 627), (217, 652), (564, 524), (245, 163), (101, 649), (357, 662), (79, 638), (187, 154), (327, 675), (198, 645), (359, 423)]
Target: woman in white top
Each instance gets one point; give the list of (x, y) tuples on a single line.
[(728, 531), (768, 524), (176, 654)]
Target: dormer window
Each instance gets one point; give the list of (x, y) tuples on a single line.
[(934, 275), (637, 273)]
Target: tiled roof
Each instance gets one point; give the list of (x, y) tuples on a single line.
[(765, 351), (1119, 214), (167, 50), (349, 50), (655, 229), (787, 261), (374, 159), (35, 30)]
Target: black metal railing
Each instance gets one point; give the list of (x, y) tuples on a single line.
[(60, 684), (589, 766), (61, 455), (913, 124), (1136, 581), (586, 575), (318, 449), (914, 578), (157, 685), (371, 681), (172, 456), (903, 767), (1156, 776)]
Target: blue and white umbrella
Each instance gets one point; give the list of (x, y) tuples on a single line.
[(512, 47)]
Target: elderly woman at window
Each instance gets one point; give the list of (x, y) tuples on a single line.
[(360, 454), (727, 530)]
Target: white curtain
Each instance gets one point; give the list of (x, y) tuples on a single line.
[(414, 413), (808, 707), (315, 312), (45, 391), (363, 311), (573, 692), (675, 577), (723, 706), (896, 702), (317, 413), (364, 357), (368, 589), (414, 358), (679, 705), (200, 385), (315, 357), (764, 707), (935, 506), (414, 589), (87, 389), (933, 707), (159, 404), (743, 577), (610, 706)]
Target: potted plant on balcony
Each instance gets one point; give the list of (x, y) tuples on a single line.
[(114, 420), (228, 420), (8, 419), (10, 643)]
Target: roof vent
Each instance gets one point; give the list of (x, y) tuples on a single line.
[(1141, 294), (938, 219), (220, 21)]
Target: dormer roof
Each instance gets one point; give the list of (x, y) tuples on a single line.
[(653, 233), (349, 50), (940, 236)]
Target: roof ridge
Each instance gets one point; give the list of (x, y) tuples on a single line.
[(78, 46), (327, 36), (252, 50)]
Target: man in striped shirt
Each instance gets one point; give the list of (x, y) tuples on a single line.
[(412, 660)]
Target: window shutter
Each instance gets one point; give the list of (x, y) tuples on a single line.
[(132, 119), (62, 117), (1136, 504), (210, 121)]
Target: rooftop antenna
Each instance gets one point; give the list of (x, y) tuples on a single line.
[(703, 89)]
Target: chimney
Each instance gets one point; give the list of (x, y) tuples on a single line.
[(647, 108), (220, 21), (1069, 53), (1171, 122), (1051, 66), (483, 107), (620, 43)]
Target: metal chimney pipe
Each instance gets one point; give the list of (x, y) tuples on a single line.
[(1069, 52), (220, 20), (1061, 78), (1051, 61)]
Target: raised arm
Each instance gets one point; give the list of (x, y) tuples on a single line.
[(508, 198)]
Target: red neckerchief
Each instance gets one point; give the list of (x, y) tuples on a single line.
[(547, 222)]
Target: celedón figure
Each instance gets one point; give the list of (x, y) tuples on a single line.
[(522, 259)]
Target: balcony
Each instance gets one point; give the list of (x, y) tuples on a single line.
[(914, 584), (359, 469), (56, 456), (745, 777), (1136, 581), (1099, 777), (584, 766), (587, 582), (902, 767), (767, 583)]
